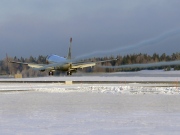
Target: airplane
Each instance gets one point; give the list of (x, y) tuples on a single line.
[(56, 62)]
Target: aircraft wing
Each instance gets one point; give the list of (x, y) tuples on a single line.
[(88, 64), (40, 66), (32, 65), (83, 65)]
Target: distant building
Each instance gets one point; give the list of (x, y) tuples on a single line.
[(18, 76)]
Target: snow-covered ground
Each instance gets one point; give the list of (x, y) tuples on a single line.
[(32, 112), (121, 88), (55, 108), (122, 108)]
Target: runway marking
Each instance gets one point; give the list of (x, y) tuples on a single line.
[(1, 91)]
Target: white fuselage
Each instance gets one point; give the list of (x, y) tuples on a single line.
[(58, 59)]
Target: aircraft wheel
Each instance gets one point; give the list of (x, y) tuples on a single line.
[(51, 73), (69, 73)]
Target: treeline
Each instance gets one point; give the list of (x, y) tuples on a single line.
[(8, 68), (11, 69), (137, 59)]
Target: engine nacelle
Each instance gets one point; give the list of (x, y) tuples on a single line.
[(74, 70)]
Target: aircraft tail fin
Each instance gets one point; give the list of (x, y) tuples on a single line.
[(69, 51)]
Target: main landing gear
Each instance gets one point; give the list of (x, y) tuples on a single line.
[(51, 73), (69, 73)]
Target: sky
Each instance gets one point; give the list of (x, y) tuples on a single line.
[(44, 27)]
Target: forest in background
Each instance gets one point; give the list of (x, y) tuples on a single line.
[(11, 69)]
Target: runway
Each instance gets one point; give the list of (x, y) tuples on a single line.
[(93, 79), (145, 76)]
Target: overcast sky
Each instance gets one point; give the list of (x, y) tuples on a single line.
[(43, 27)]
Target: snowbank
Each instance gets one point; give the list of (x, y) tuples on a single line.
[(128, 88)]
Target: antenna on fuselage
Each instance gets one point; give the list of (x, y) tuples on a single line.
[(69, 52)]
